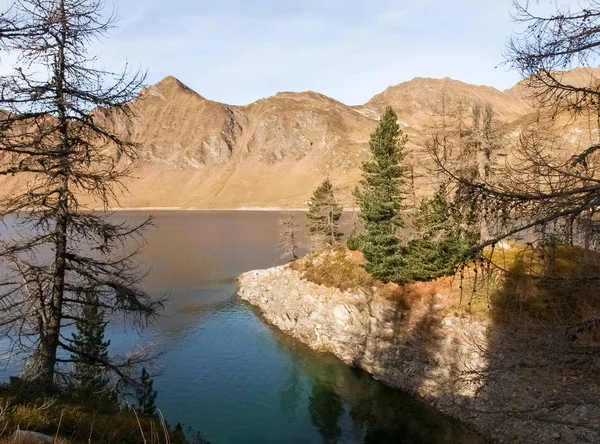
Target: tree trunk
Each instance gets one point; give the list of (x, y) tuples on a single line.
[(43, 362)]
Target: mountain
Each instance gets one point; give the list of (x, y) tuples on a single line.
[(417, 100), (203, 154), (197, 153)]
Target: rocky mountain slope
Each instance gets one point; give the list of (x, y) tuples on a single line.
[(272, 153), (196, 153)]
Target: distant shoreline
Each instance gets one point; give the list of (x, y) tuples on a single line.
[(247, 209), (273, 209)]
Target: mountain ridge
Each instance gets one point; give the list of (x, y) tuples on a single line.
[(199, 153)]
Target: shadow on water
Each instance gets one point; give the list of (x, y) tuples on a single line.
[(346, 405)]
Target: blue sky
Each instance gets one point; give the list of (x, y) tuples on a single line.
[(238, 51)]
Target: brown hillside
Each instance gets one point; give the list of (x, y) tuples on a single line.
[(418, 100), (202, 154), (197, 153)]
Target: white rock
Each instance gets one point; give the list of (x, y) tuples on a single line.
[(31, 437)]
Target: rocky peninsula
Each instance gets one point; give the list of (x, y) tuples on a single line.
[(416, 339)]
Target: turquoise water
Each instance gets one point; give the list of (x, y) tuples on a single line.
[(227, 374)]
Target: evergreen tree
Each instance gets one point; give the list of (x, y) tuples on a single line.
[(322, 218), (146, 395), (380, 201), (90, 355), (441, 241)]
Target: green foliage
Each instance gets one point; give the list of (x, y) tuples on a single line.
[(378, 196), (322, 218), (146, 395), (91, 382), (178, 436), (354, 243), (441, 241)]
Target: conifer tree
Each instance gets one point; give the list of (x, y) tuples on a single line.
[(91, 381), (58, 137), (380, 201), (323, 216), (441, 240), (288, 233), (146, 395)]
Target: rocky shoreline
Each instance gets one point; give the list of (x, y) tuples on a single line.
[(436, 357)]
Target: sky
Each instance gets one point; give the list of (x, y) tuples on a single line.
[(239, 51)]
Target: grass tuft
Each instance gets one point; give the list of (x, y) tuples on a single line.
[(337, 268), (72, 423)]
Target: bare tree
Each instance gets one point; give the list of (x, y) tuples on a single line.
[(544, 188), (548, 185), (466, 141), (55, 139), (288, 233)]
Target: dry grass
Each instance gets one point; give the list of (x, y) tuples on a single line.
[(412, 295), (554, 285), (529, 285), (522, 285), (337, 268), (73, 423)]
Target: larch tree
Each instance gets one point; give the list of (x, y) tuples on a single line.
[(467, 139), (547, 191), (56, 140), (323, 217), (379, 197), (547, 186), (289, 236)]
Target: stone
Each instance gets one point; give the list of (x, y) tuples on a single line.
[(24, 436)]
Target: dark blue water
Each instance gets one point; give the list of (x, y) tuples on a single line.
[(227, 374)]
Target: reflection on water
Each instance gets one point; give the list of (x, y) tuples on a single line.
[(227, 374), (326, 409), (348, 406)]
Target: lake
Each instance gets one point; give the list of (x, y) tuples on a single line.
[(230, 376)]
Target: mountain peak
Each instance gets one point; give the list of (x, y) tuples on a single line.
[(170, 86), (300, 95), (171, 82)]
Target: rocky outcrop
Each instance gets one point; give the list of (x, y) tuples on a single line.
[(26, 437), (440, 358)]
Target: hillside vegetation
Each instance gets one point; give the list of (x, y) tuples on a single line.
[(74, 422), (519, 286)]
